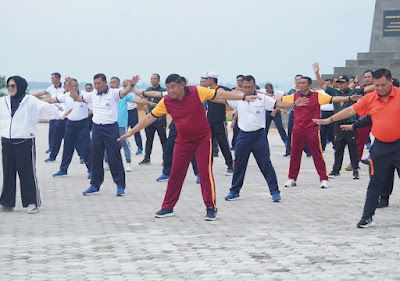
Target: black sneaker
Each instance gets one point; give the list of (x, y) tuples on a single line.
[(229, 172), (145, 162), (383, 203), (334, 175), (355, 175), (163, 213), (286, 154), (365, 161), (211, 214), (365, 222)]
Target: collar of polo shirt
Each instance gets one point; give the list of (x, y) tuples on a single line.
[(106, 92), (309, 93), (58, 87)]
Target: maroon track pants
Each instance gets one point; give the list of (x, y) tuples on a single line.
[(299, 137), (183, 153)]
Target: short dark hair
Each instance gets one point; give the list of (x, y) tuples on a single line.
[(270, 85), (396, 82), (101, 76), (249, 78), (89, 84), (334, 78), (240, 76), (114, 77), (309, 80), (183, 80), (56, 74), (158, 75), (215, 80), (298, 76), (73, 79), (367, 71), (173, 78), (383, 72), (352, 77), (328, 80)]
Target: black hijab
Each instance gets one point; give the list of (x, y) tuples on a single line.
[(21, 89)]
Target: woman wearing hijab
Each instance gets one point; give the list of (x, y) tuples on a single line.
[(19, 115)]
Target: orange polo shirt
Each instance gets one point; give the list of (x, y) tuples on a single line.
[(385, 115)]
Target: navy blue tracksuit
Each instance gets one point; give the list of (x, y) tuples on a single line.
[(59, 132), (77, 135), (257, 143), (104, 137)]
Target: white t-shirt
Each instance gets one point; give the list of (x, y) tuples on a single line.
[(105, 106), (133, 105), (79, 109), (252, 114), (55, 92)]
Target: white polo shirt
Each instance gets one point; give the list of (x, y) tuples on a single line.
[(252, 114), (79, 109), (55, 92), (105, 106)]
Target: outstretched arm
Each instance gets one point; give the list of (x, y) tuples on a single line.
[(74, 94), (127, 90), (153, 94), (321, 82), (343, 114), (288, 104), (143, 123), (223, 95), (346, 98)]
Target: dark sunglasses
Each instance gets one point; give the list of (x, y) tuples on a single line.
[(11, 86)]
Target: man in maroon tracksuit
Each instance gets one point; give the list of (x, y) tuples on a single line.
[(185, 105)]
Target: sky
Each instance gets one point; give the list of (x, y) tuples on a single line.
[(271, 40)]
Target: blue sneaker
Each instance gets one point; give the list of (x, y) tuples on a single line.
[(232, 196), (198, 179), (120, 191), (81, 160), (164, 213), (276, 197), (49, 160), (91, 191), (59, 174), (211, 214), (139, 151), (162, 178), (89, 176), (48, 151)]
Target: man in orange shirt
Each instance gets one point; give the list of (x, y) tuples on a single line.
[(382, 105)]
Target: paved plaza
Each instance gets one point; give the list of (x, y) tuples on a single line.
[(310, 235)]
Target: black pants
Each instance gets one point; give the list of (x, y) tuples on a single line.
[(383, 156), (341, 139), (218, 132), (104, 137), (59, 132), (326, 131), (77, 136), (133, 119), (169, 152), (19, 156), (159, 126), (388, 187), (278, 124)]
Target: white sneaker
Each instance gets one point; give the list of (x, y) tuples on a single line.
[(290, 182), (324, 184), (32, 209), (106, 167), (128, 168)]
